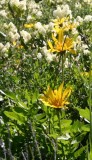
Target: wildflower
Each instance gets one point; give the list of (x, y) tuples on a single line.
[(16, 45), (59, 21), (19, 4), (62, 22), (40, 28), (26, 36), (62, 11), (88, 18), (61, 43), (56, 98), (28, 25), (3, 13), (39, 56)]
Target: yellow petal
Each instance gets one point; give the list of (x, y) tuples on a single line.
[(66, 93), (50, 44), (60, 90)]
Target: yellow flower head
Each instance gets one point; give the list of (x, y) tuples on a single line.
[(17, 46), (59, 22), (63, 23), (28, 25), (61, 43), (56, 98)]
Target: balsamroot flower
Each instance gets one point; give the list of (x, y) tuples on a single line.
[(65, 23), (56, 98), (61, 43)]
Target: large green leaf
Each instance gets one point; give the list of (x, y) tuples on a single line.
[(85, 113), (19, 117), (79, 151)]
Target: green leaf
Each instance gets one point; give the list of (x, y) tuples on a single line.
[(40, 116), (65, 123), (22, 105), (19, 117), (35, 97), (86, 127), (85, 113), (76, 126), (11, 95), (79, 151)]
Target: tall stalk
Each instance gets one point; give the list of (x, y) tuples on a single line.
[(35, 140), (90, 107), (62, 67)]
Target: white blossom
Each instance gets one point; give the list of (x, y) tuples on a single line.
[(22, 5), (19, 4), (39, 14), (14, 3), (2, 2), (4, 48), (88, 18), (40, 28), (50, 57), (13, 36), (3, 13), (12, 27), (29, 17), (86, 51), (1, 46), (26, 36), (39, 56), (79, 19), (62, 11)]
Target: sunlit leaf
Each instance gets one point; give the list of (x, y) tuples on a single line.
[(19, 117)]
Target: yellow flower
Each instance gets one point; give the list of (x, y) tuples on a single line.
[(28, 25), (66, 25), (61, 43), (56, 98), (18, 46), (69, 26), (59, 21)]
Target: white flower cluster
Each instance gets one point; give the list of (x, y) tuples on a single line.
[(19, 4), (62, 11), (26, 36), (79, 20), (80, 46), (49, 56), (12, 32), (2, 3), (3, 13), (4, 48), (88, 2), (34, 9), (88, 18), (40, 28)]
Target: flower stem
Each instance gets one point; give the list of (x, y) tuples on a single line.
[(62, 67), (90, 107), (59, 119)]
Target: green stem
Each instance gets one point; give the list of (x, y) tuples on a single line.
[(90, 107), (59, 119), (63, 67), (48, 119)]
